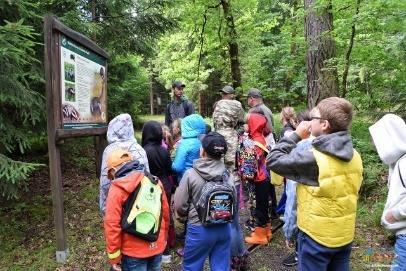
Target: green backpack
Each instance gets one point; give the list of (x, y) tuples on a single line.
[(142, 211)]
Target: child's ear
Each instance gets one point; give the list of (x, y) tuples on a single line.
[(111, 173), (325, 127), (202, 152)]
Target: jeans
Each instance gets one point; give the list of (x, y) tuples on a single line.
[(237, 241), (314, 256), (399, 263), (141, 264), (202, 242)]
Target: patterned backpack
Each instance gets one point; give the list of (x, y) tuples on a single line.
[(247, 158)]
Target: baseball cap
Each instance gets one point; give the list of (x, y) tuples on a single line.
[(214, 144), (115, 160), (178, 84), (228, 90), (255, 93)]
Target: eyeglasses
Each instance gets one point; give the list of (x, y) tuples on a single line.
[(316, 118)]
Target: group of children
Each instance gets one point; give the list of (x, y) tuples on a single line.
[(322, 176)]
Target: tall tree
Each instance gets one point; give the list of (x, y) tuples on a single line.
[(231, 34), (349, 50), (322, 79)]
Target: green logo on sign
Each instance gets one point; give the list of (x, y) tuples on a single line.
[(63, 41)]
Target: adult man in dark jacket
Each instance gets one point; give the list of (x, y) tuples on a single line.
[(179, 107)]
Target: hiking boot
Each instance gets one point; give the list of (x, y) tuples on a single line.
[(166, 258), (269, 231), (290, 260), (249, 225), (258, 237)]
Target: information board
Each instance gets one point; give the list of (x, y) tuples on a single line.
[(83, 86)]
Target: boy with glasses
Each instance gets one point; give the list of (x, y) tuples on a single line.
[(329, 177)]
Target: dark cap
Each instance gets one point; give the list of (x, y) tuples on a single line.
[(254, 93), (178, 84), (214, 144), (228, 90)]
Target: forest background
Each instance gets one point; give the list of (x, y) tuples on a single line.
[(266, 44)]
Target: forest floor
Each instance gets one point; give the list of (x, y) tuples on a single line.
[(27, 235)]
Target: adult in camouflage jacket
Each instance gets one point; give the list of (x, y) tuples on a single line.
[(227, 115)]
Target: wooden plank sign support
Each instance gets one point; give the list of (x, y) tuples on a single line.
[(76, 93)]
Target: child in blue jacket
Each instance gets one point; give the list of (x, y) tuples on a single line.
[(192, 127)]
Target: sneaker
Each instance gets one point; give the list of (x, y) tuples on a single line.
[(249, 225), (166, 258), (290, 260)]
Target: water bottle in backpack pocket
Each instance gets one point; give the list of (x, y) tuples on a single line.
[(142, 211)]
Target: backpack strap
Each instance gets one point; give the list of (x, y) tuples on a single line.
[(400, 173), (185, 107), (258, 144)]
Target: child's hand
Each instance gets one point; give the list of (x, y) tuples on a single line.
[(303, 129), (389, 217)]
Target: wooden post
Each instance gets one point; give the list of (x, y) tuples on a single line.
[(52, 86), (55, 33)]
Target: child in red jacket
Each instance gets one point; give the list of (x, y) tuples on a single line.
[(132, 252), (262, 232)]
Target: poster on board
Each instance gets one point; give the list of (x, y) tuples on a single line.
[(83, 86)]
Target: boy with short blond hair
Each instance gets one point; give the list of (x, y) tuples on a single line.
[(329, 177)]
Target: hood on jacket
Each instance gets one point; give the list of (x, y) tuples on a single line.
[(152, 133), (120, 129), (389, 136), (209, 168), (256, 126), (337, 144), (128, 184), (193, 126)]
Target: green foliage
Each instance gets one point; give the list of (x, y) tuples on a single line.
[(13, 175), (129, 86), (20, 106), (374, 170)]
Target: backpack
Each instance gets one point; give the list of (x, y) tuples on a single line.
[(142, 211), (247, 158), (216, 204)]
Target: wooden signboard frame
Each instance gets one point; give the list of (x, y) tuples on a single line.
[(54, 30)]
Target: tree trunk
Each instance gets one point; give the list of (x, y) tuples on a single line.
[(348, 53), (293, 47), (232, 43), (322, 79)]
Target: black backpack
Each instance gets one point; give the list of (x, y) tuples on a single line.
[(216, 204), (142, 211)]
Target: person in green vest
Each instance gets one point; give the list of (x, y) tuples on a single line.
[(329, 177)]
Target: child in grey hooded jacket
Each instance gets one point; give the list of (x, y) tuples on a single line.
[(120, 134), (389, 136)]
